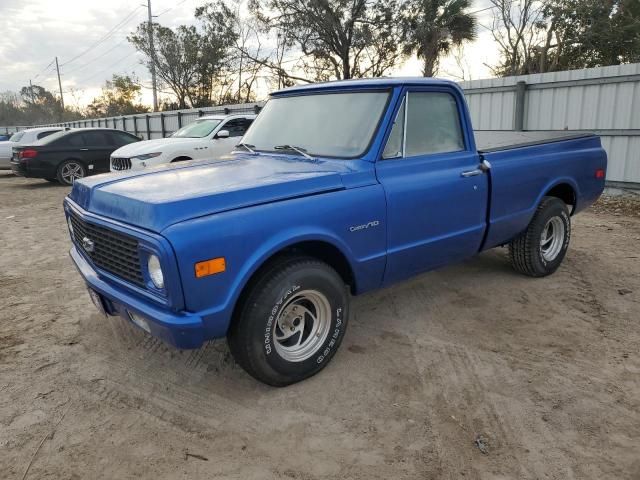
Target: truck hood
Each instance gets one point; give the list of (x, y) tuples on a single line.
[(159, 197), (151, 146)]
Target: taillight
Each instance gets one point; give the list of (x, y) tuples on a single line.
[(29, 153), (600, 173)]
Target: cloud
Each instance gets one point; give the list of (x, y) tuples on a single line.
[(34, 32)]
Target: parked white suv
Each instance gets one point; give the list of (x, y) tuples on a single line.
[(22, 137), (207, 137)]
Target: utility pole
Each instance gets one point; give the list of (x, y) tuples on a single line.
[(59, 85), (33, 98), (153, 58)]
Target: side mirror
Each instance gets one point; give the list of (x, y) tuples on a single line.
[(222, 134)]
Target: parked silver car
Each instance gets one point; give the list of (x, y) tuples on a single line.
[(22, 137)]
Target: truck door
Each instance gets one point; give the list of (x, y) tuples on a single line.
[(436, 192)]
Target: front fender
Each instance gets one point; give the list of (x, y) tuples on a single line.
[(248, 237)]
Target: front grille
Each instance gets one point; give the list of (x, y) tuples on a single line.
[(109, 250), (121, 163)]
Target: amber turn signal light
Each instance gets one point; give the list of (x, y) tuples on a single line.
[(210, 267)]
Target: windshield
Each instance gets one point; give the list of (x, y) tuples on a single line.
[(330, 124), (16, 137), (197, 129)]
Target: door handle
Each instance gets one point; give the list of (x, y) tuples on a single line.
[(484, 167), (84, 149)]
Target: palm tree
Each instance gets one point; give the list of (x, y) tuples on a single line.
[(432, 27)]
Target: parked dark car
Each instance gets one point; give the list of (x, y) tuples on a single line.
[(69, 155), (4, 137)]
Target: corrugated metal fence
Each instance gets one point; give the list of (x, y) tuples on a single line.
[(154, 125), (602, 100)]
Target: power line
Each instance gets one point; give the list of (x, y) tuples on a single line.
[(104, 37), (96, 58), (483, 10), (171, 8), (42, 72), (107, 68)]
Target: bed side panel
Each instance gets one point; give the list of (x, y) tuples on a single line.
[(520, 177)]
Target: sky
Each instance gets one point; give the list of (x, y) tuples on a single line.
[(89, 39)]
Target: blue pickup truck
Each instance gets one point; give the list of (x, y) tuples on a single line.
[(336, 189)]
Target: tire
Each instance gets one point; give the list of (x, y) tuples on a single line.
[(541, 248), (69, 171), (290, 322)]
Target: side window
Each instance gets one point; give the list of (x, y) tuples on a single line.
[(46, 134), (120, 139), (237, 127), (96, 139), (433, 124), (72, 141), (394, 143)]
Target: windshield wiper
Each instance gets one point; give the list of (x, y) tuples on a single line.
[(299, 150), (248, 147)]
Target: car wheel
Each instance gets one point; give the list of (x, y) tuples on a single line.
[(541, 248), (290, 321), (70, 171)]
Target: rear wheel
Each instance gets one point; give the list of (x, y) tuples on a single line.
[(69, 171), (541, 248), (290, 322)]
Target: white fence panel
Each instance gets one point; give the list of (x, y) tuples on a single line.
[(602, 100)]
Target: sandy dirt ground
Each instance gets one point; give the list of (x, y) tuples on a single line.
[(472, 371)]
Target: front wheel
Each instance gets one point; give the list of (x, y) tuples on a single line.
[(70, 171), (540, 249), (290, 322)]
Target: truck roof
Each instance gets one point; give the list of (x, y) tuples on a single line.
[(382, 82)]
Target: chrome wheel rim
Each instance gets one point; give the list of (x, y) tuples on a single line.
[(552, 239), (302, 325), (71, 171)]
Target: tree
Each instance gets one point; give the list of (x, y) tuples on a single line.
[(538, 36), (238, 73), (591, 33), (40, 105), (119, 97), (432, 27), (188, 61), (517, 28), (338, 39)]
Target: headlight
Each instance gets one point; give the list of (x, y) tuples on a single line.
[(147, 156), (155, 271), (70, 227)]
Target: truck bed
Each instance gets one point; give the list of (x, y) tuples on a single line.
[(495, 140)]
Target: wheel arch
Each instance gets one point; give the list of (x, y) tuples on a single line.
[(320, 248), (565, 191)]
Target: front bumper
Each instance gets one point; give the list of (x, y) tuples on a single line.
[(181, 329)]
